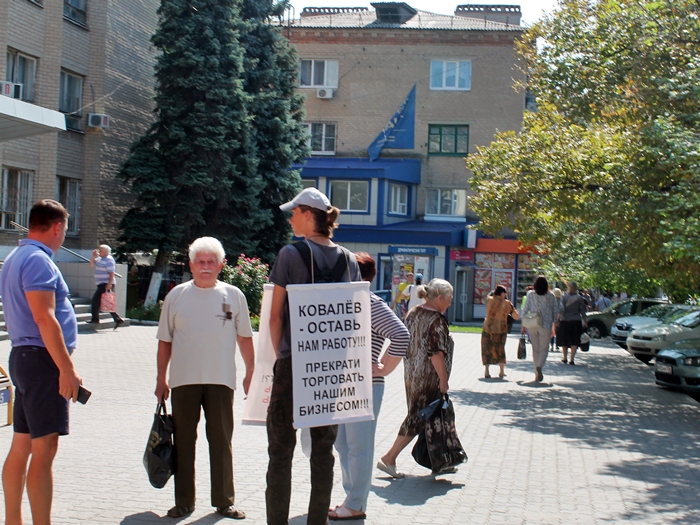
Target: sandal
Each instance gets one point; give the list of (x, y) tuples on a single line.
[(342, 513), (231, 512), (178, 511), (390, 469)]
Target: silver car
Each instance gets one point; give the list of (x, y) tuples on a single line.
[(678, 366), (657, 314)]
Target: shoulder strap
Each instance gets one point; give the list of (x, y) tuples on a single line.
[(336, 273)]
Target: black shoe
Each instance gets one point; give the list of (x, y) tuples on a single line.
[(119, 323), (92, 321), (572, 362)]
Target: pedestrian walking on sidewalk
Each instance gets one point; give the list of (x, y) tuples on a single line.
[(427, 365), (201, 322), (572, 322), (43, 331), (105, 268), (541, 301), (355, 441), (495, 330)]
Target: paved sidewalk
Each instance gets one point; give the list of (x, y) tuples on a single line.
[(595, 443)]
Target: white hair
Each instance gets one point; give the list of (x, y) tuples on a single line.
[(434, 288), (207, 245), (106, 248)]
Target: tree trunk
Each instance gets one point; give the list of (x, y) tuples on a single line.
[(156, 278)]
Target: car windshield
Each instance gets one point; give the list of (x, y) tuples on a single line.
[(658, 311), (690, 320), (676, 313)]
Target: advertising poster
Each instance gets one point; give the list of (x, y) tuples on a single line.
[(255, 408), (331, 353)]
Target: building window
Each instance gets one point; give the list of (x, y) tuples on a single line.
[(347, 195), (75, 10), (321, 138), (318, 73), (308, 183), (446, 202), (71, 99), (399, 199), (448, 140), (450, 75), (16, 197), (68, 194), (21, 69)]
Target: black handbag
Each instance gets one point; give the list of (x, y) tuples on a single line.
[(439, 439), (159, 458), (522, 349)]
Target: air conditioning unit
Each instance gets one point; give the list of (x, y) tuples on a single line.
[(98, 120), (324, 93), (11, 89)]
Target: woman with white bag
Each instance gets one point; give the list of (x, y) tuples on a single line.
[(539, 314)]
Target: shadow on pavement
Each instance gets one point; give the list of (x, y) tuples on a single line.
[(613, 403), (415, 490)]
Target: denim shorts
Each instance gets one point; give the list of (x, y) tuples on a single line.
[(39, 409)]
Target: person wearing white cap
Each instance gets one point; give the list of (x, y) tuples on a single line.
[(313, 219)]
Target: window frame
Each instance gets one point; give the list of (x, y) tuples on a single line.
[(346, 209), (392, 203), (12, 60), (444, 74), (327, 83), (454, 202), (75, 13), (73, 116), (324, 137), (71, 202), (23, 189), (456, 136)]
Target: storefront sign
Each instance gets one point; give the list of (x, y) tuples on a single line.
[(331, 353), (410, 250), (462, 255)]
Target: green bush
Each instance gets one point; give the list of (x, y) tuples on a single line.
[(250, 275), (143, 313)]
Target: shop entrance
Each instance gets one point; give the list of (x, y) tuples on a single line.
[(492, 269), (461, 301)]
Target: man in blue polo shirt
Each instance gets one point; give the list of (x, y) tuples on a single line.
[(43, 330)]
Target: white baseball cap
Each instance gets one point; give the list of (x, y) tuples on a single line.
[(308, 197)]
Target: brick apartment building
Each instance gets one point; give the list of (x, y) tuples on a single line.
[(409, 206), (92, 61)]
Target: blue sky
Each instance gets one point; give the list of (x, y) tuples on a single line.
[(531, 9)]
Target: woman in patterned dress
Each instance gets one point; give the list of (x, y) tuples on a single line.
[(427, 365), (495, 330)]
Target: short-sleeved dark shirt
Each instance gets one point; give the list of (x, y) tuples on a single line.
[(289, 268)]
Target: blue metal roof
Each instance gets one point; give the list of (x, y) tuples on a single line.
[(400, 169), (424, 233)]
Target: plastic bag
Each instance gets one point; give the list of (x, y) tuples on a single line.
[(522, 349), (444, 449), (108, 302), (159, 458)]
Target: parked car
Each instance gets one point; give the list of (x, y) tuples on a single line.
[(654, 315), (644, 343), (600, 323), (678, 366)]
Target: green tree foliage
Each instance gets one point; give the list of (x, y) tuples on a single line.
[(608, 167), (278, 137), (227, 129)]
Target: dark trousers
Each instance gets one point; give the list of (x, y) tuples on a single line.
[(96, 298), (217, 401), (282, 439)]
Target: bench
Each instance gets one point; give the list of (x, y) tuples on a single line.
[(6, 393)]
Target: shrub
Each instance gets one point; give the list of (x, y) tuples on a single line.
[(250, 275), (145, 313)]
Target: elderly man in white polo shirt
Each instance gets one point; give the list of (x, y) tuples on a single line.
[(200, 324)]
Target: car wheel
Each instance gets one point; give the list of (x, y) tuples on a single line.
[(596, 331), (643, 358)]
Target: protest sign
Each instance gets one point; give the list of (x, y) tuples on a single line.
[(255, 408), (331, 353)]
